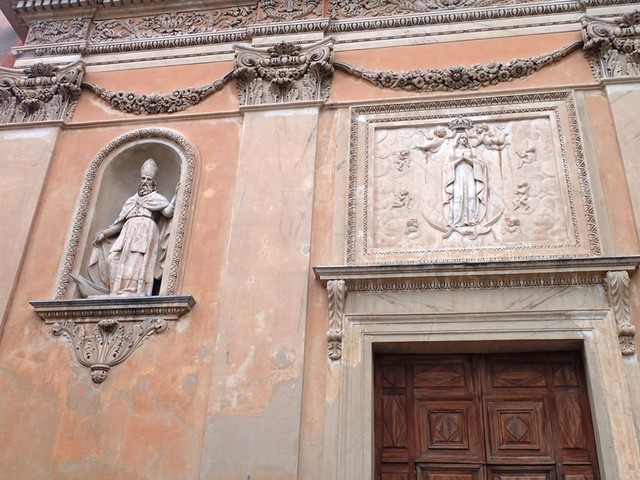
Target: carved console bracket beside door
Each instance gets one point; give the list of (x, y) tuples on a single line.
[(605, 273), (284, 73), (38, 93), (105, 331), (613, 46)]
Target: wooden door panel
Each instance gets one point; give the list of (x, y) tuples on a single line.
[(579, 472), (521, 473), (394, 428), (452, 375), (518, 432), (450, 472), (448, 430), (518, 375)]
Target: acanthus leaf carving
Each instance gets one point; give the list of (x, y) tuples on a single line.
[(40, 92), (109, 344), (377, 8), (284, 73), (55, 31), (156, 103), (613, 46), (458, 77), (618, 284), (337, 295), (104, 331), (286, 10)]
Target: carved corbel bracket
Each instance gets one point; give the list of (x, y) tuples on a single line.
[(284, 73), (613, 46), (118, 325), (40, 92), (337, 294), (618, 290)]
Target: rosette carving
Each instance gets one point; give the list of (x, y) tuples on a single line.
[(458, 77), (618, 284), (337, 294), (40, 92), (613, 46), (284, 73), (154, 103)]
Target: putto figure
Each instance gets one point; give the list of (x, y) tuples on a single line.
[(129, 254)]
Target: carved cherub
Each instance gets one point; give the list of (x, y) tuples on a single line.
[(403, 199), (488, 137), (412, 226), (510, 225), (402, 160), (521, 198), (433, 143), (527, 155)]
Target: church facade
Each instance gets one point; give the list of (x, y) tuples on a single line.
[(369, 239)]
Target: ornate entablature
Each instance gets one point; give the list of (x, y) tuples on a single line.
[(40, 92), (460, 180), (613, 46)]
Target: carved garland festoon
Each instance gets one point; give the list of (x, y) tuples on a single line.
[(613, 46), (40, 92), (618, 289), (118, 326)]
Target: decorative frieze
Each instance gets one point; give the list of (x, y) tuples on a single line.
[(40, 92), (105, 331), (458, 77), (55, 31), (287, 10), (618, 284), (377, 8), (613, 46), (337, 295), (284, 73)]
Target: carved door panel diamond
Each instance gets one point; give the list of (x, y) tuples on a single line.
[(491, 417)]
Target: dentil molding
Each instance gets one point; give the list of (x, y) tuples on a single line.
[(105, 331)]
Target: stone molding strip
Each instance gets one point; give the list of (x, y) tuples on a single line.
[(120, 325), (613, 272), (458, 77), (156, 103)]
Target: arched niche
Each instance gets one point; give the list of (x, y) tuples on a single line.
[(113, 177)]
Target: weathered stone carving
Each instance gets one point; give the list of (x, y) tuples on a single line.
[(54, 31), (337, 294), (170, 271), (471, 191), (613, 46), (618, 289), (156, 103), (118, 326), (284, 73), (172, 24), (39, 92), (458, 77), (280, 10), (129, 255), (375, 8)]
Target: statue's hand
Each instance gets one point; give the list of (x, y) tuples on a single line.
[(99, 238)]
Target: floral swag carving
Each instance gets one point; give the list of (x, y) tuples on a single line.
[(176, 101), (40, 92), (284, 73), (613, 46), (459, 77)]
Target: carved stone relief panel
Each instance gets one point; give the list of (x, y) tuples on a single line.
[(476, 179)]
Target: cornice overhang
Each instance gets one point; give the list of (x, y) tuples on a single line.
[(496, 273)]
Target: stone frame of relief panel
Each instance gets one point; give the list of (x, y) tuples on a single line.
[(530, 194)]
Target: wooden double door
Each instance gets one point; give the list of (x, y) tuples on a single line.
[(483, 417)]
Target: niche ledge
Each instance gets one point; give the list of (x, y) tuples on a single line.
[(116, 326)]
